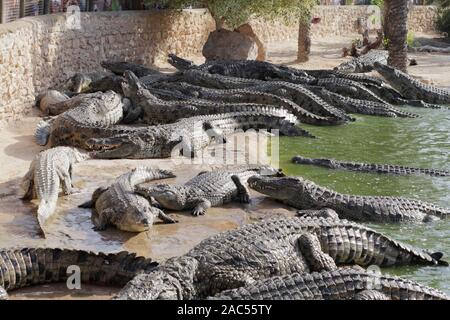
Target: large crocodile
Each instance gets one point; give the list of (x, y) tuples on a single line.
[(25, 267), (208, 189), (158, 111), (364, 63), (100, 111), (187, 136), (82, 82), (368, 167), (273, 247), (341, 284), (352, 105), (118, 205), (411, 88), (49, 170), (119, 67), (243, 96), (304, 194)]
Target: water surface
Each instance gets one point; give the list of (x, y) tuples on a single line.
[(419, 142)]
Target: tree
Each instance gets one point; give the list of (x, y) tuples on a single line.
[(234, 13), (396, 32)]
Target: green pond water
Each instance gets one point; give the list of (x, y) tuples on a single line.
[(420, 142)]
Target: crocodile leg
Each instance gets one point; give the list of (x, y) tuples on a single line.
[(201, 205), (243, 193), (66, 182), (28, 183), (164, 217), (309, 246), (3, 294), (101, 221), (95, 195), (370, 295)]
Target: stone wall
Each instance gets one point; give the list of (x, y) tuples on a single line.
[(341, 20), (40, 52)]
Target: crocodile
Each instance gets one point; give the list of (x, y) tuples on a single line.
[(49, 170), (411, 88), (91, 114), (158, 111), (48, 98), (364, 63), (186, 136), (369, 167), (208, 189), (367, 107), (304, 194), (119, 206), (248, 69), (362, 78), (305, 98), (81, 82), (119, 67), (243, 96), (349, 88), (24, 267), (341, 284), (273, 247)]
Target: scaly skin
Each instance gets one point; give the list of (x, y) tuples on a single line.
[(362, 78), (243, 96), (157, 111), (81, 82), (342, 284), (304, 98), (411, 88), (304, 194), (349, 88), (68, 128), (364, 63), (208, 189), (248, 69), (368, 167), (273, 247), (120, 67), (368, 107), (49, 170), (119, 206), (33, 266), (187, 136)]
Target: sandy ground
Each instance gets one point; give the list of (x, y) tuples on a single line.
[(71, 226)]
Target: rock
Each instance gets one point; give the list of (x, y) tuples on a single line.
[(225, 44), (248, 31)]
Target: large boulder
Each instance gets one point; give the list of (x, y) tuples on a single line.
[(247, 29), (225, 44)]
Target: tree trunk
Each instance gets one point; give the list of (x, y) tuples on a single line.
[(396, 32), (304, 40)]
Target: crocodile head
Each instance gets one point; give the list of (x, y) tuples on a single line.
[(171, 197), (78, 83), (136, 218), (396, 78), (331, 163), (112, 148), (280, 188)]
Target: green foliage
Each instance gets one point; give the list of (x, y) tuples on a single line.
[(379, 3), (238, 12), (443, 3), (443, 21), (410, 39)]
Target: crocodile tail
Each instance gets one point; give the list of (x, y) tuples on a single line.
[(45, 210), (31, 266), (42, 133)]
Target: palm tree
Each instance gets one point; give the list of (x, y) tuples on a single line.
[(396, 32), (304, 39)]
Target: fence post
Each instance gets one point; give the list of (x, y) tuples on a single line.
[(22, 9), (1, 11), (46, 6)]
